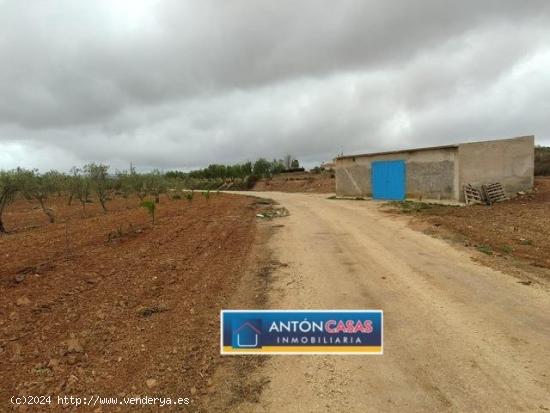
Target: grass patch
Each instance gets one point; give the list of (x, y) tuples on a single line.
[(342, 198), (507, 249), (485, 249), (410, 207)]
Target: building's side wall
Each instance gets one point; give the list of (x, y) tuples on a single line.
[(508, 161), (431, 174), (353, 177)]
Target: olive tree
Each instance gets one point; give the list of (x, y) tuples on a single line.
[(10, 185), (139, 185), (124, 185), (80, 188), (40, 187), (261, 168), (155, 184), (99, 178), (72, 185)]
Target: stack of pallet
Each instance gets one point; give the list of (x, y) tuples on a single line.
[(493, 193), (472, 195), (488, 194)]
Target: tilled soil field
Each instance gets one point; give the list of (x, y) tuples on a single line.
[(517, 228), (114, 306)]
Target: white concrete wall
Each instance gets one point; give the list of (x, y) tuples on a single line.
[(508, 161)]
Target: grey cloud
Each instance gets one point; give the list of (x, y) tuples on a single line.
[(181, 84)]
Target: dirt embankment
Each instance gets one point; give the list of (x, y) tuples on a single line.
[(515, 228), (323, 183), (116, 306)]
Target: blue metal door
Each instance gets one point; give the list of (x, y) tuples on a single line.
[(388, 180)]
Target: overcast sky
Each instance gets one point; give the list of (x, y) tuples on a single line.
[(181, 84)]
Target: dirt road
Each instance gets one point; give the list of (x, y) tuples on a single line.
[(458, 336)]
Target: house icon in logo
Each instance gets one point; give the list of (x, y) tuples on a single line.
[(246, 333)]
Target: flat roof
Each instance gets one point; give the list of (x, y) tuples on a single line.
[(430, 148)]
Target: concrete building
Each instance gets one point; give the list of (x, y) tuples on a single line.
[(438, 173)]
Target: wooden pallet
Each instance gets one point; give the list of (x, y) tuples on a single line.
[(493, 193), (472, 195)]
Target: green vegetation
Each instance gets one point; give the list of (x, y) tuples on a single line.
[(96, 181), (81, 188), (9, 187), (507, 249), (356, 198), (100, 182), (126, 184), (410, 207), (542, 160), (486, 249), (40, 187), (237, 176), (262, 168), (155, 184), (150, 206)]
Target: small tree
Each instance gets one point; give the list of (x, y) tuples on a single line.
[(175, 188), (72, 184), (295, 163), (150, 206), (277, 166), (99, 178), (261, 168), (125, 185), (80, 187), (10, 185), (138, 185), (156, 184), (40, 187)]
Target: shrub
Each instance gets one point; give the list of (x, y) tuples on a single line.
[(99, 177), (262, 167), (10, 185), (40, 187), (542, 160), (410, 207), (486, 249), (507, 249), (80, 188), (150, 206), (125, 184), (156, 184)]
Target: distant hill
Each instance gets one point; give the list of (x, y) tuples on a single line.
[(542, 160)]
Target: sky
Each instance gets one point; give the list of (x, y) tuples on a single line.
[(175, 84)]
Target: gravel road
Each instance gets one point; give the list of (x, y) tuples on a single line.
[(458, 336)]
